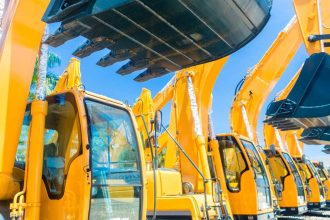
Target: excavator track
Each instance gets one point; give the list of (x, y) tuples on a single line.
[(310, 215), (301, 217), (319, 213)]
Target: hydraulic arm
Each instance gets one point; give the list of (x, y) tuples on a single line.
[(306, 106), (185, 139), (245, 110), (287, 140), (257, 85), (18, 52)]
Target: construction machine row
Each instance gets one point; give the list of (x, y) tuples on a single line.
[(74, 154)]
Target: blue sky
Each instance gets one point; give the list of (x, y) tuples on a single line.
[(105, 81)]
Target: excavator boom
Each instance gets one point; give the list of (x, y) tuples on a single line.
[(18, 52), (262, 79)]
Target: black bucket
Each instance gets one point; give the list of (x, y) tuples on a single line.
[(316, 136), (159, 35), (308, 103)]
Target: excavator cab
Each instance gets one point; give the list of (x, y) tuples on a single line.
[(314, 186), (324, 176), (284, 171), (92, 166), (246, 178)]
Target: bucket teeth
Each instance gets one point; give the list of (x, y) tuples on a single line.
[(63, 10), (91, 46), (114, 56), (64, 34), (168, 34), (133, 66), (289, 128), (316, 135), (151, 73)]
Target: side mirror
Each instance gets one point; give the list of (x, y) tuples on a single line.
[(158, 121), (321, 165), (267, 161), (272, 149), (304, 159)]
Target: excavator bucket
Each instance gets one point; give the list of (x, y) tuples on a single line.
[(308, 103), (160, 36), (316, 135), (326, 149)]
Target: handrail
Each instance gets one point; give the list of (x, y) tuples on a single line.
[(194, 165), (153, 166)]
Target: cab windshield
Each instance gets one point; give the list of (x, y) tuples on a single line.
[(297, 178), (278, 166), (234, 163), (314, 171), (321, 173), (316, 175), (263, 187), (304, 171), (116, 173)]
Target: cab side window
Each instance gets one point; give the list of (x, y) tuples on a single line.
[(62, 141), (233, 161)]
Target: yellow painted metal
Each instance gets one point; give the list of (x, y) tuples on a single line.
[(257, 86), (70, 78), (34, 200), (248, 193), (324, 178), (261, 81), (19, 46), (326, 185), (182, 127), (168, 183), (218, 167), (281, 140), (165, 95), (284, 140), (182, 123), (34, 168), (144, 113), (288, 141), (306, 171), (314, 18), (75, 202)]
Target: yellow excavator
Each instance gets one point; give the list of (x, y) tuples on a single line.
[(324, 176), (180, 148), (314, 37), (171, 158), (288, 140), (254, 91), (248, 102), (190, 127), (250, 96), (79, 170), (84, 156)]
